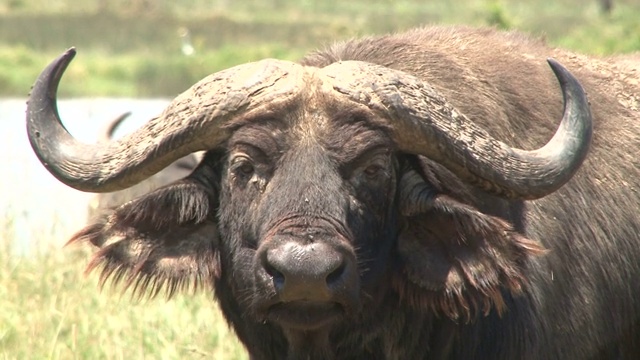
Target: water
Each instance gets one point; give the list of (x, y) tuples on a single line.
[(38, 210)]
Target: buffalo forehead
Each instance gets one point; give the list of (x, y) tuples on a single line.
[(318, 115)]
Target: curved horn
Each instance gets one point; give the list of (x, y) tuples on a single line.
[(425, 124), (198, 119), (107, 133)]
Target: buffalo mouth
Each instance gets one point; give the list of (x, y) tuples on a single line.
[(305, 314)]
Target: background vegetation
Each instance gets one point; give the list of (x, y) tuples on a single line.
[(49, 310), (147, 48), (137, 47)]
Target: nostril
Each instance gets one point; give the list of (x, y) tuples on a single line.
[(305, 271), (278, 277), (337, 274)]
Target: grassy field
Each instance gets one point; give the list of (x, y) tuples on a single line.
[(48, 309), (128, 49)]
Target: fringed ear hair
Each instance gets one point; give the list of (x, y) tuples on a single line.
[(167, 239), (454, 259)]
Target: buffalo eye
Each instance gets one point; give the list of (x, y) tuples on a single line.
[(373, 170), (376, 166), (246, 169), (242, 167)]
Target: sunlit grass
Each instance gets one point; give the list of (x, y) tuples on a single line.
[(50, 310), (94, 73), (129, 51)]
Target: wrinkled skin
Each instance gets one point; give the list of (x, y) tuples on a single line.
[(415, 262), (343, 196)]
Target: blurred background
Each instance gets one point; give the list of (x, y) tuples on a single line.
[(134, 55), (151, 48)]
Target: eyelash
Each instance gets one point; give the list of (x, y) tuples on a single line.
[(242, 166), (372, 170)]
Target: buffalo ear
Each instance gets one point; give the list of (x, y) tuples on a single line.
[(454, 259), (166, 240)]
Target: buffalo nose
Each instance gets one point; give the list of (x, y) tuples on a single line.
[(314, 271)]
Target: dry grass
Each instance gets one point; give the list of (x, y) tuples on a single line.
[(49, 310)]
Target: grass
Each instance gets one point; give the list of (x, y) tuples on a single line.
[(135, 50), (50, 310), (124, 75)]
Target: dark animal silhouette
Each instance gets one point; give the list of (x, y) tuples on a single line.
[(391, 197), (606, 6)]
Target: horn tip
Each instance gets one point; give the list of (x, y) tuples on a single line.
[(563, 75)]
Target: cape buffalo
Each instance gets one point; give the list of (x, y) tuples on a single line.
[(363, 202), (174, 172)]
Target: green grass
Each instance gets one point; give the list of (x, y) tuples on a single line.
[(49, 310), (127, 49), (125, 74)]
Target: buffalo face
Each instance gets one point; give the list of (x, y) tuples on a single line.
[(307, 206)]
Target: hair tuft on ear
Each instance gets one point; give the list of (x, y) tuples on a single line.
[(458, 261), (165, 241)]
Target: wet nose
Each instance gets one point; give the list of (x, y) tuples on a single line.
[(313, 271)]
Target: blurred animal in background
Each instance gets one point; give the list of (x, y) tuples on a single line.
[(606, 6), (432, 194), (179, 169)]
